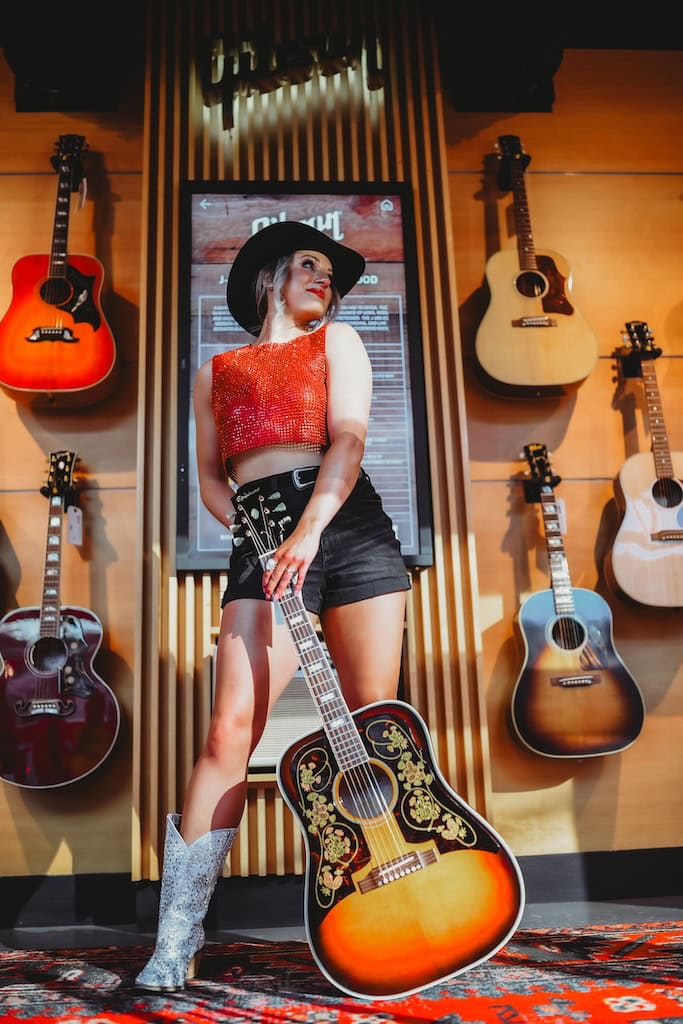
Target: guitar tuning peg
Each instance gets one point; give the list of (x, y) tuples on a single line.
[(254, 513), (234, 528), (237, 541), (280, 508), (274, 496)]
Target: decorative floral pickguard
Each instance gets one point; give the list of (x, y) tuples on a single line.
[(426, 808)]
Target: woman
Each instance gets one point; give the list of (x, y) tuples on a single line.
[(287, 413)]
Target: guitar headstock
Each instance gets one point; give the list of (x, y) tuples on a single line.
[(640, 340), (60, 477), (261, 519), (67, 158), (542, 476), (512, 158)]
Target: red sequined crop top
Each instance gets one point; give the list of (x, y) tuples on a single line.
[(273, 393)]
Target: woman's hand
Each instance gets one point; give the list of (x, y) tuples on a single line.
[(288, 565)]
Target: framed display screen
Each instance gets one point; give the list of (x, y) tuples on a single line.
[(375, 219)]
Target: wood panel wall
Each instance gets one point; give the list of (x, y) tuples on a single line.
[(327, 130), (605, 185), (604, 190)]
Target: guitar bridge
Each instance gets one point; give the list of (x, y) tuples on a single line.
[(534, 321), (667, 535), (392, 870), (587, 680), (29, 708), (52, 334)]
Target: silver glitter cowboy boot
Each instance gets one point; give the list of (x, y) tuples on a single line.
[(189, 877)]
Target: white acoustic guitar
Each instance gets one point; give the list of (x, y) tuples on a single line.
[(646, 559), (532, 336)]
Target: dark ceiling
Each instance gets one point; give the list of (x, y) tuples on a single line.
[(63, 59)]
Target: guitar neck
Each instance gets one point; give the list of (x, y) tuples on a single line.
[(337, 720), (557, 560), (50, 608), (60, 231), (525, 242), (661, 450)]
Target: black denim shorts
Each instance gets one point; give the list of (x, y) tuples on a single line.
[(359, 554)]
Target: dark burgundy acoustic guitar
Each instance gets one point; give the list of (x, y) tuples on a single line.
[(58, 719)]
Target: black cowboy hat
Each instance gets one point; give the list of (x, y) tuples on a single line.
[(282, 239)]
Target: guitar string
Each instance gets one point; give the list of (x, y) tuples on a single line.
[(362, 782)]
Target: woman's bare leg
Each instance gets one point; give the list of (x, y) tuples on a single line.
[(255, 660), (365, 641)]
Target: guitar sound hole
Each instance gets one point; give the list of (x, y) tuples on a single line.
[(568, 634), (366, 792), (56, 291), (667, 492), (531, 284), (48, 655)]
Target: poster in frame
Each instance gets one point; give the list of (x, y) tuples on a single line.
[(377, 219)]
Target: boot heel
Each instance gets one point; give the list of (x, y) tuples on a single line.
[(193, 967)]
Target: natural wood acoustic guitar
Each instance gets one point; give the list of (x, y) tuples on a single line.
[(406, 885), (58, 719), (531, 335), (574, 696), (54, 338), (645, 561)]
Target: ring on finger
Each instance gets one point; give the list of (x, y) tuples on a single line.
[(270, 564)]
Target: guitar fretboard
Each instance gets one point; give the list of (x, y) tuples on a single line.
[(557, 559), (525, 242), (50, 607), (338, 722), (660, 441)]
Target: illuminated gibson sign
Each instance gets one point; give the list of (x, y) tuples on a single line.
[(230, 68)]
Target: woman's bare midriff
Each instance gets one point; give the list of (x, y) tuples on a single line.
[(260, 462)]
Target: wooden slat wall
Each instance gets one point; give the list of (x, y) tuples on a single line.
[(329, 129)]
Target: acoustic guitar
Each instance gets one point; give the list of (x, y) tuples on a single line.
[(531, 335), (406, 885), (574, 696), (54, 338), (645, 562), (58, 719)]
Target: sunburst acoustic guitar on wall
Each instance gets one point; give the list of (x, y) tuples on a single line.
[(406, 885), (645, 561), (54, 338), (574, 696), (531, 335), (58, 719)]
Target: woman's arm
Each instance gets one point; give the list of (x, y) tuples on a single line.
[(214, 487)]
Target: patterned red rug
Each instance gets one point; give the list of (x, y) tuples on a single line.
[(625, 974)]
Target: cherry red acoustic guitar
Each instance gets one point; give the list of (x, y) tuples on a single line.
[(54, 338), (406, 885), (58, 719)]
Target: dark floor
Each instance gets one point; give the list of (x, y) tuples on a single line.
[(574, 914)]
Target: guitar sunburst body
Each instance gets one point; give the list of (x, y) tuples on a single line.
[(395, 902), (63, 345), (54, 338), (574, 696), (645, 562), (531, 338), (406, 885)]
